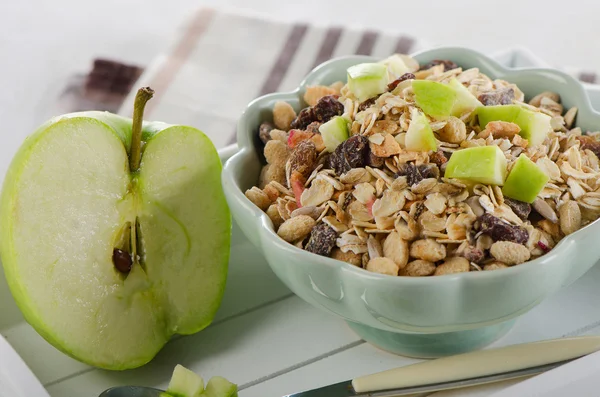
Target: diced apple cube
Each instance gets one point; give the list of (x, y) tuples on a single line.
[(483, 164), (535, 126), (367, 80), (419, 136), (334, 132), (525, 180), (435, 99)]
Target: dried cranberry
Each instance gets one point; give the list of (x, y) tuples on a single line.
[(499, 230), (122, 260), (588, 142), (503, 96), (322, 240), (349, 154), (473, 254), (313, 127), (405, 76), (543, 246), (303, 158), (416, 173), (264, 131), (367, 104), (448, 65), (327, 107), (520, 208)]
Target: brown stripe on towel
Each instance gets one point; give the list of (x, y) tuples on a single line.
[(587, 77), (367, 42), (330, 42), (279, 69), (164, 77), (281, 65), (404, 45)]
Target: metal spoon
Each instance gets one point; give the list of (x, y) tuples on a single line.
[(131, 391)]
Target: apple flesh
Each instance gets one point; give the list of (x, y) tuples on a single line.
[(535, 126), (218, 386), (483, 164), (525, 180), (68, 202), (185, 383), (419, 137), (367, 80), (396, 66), (334, 132), (442, 100)]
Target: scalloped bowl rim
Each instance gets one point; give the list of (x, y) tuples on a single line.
[(266, 226)]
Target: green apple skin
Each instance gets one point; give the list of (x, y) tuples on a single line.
[(367, 80), (185, 383), (525, 180), (434, 98), (68, 192), (334, 132), (419, 137), (218, 386), (483, 164), (534, 125)]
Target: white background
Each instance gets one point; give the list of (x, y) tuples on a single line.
[(43, 42)]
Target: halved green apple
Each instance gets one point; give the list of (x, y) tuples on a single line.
[(535, 126), (525, 180), (107, 261), (483, 164), (367, 80), (419, 136)]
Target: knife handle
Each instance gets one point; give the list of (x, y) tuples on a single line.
[(479, 363)]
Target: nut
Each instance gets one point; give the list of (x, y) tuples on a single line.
[(349, 257), (396, 249), (388, 147), (383, 265), (570, 217), (270, 173), (494, 266), (452, 265), (428, 249), (273, 213), (276, 152), (316, 92), (283, 115), (510, 253), (454, 131), (502, 129), (418, 268), (296, 228), (258, 197)]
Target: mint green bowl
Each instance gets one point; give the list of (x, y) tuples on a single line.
[(423, 317)]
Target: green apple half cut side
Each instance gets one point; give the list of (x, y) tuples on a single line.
[(66, 198)]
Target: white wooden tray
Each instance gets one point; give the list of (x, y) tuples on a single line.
[(269, 341)]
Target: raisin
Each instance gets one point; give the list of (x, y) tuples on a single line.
[(502, 96), (416, 173), (520, 208), (349, 154), (303, 119), (588, 142), (122, 260), (448, 65), (322, 240), (473, 254), (499, 230), (314, 127), (264, 131), (367, 104), (326, 108), (438, 158), (303, 158), (405, 76)]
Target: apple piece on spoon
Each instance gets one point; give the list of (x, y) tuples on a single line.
[(114, 234)]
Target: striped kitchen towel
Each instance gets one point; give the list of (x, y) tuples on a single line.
[(221, 61)]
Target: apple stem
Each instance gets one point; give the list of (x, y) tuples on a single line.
[(143, 95)]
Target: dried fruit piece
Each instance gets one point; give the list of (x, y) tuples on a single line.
[(349, 154), (264, 131), (416, 173), (316, 92), (473, 254), (404, 77), (448, 64), (591, 143), (322, 240), (364, 105), (325, 109), (500, 230), (520, 208), (303, 158), (503, 96)]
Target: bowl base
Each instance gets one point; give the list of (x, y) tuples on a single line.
[(432, 345)]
